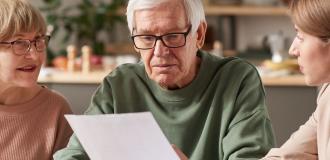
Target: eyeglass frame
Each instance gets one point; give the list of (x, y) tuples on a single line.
[(161, 38), (12, 43)]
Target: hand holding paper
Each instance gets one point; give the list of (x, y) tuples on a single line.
[(133, 136)]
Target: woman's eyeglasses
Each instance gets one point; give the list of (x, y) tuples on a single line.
[(23, 46)]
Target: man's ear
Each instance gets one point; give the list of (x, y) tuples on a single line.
[(201, 31)]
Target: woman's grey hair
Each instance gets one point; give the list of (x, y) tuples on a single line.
[(193, 9)]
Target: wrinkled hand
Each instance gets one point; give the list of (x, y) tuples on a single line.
[(178, 151)]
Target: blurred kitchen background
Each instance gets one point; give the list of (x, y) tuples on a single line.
[(90, 38)]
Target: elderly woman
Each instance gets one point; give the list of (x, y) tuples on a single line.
[(31, 116), (312, 48)]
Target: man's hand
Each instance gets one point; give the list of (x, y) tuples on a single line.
[(181, 155)]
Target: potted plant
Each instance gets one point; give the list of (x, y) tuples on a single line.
[(82, 22)]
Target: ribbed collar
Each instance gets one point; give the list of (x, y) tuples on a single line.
[(18, 109), (186, 93)]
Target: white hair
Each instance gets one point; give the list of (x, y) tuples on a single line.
[(193, 9)]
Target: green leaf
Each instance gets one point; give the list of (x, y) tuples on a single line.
[(83, 21)]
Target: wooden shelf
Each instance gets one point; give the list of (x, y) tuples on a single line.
[(292, 80), (217, 10), (236, 10), (60, 76)]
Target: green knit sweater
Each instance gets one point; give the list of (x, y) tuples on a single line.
[(220, 115)]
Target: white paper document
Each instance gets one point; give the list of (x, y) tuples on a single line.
[(132, 136)]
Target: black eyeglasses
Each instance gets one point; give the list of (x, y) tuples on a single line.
[(170, 40), (23, 46)]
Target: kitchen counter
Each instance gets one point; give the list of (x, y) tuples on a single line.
[(62, 77), (289, 80)]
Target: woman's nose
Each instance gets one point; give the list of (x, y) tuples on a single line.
[(32, 53), (293, 51)]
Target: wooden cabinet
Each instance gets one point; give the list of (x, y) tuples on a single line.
[(243, 10), (216, 10), (78, 95), (289, 107)]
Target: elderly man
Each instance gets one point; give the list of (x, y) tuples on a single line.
[(210, 108)]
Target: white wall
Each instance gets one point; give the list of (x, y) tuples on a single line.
[(252, 29)]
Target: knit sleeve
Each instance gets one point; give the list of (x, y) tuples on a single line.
[(64, 130), (102, 100), (249, 135)]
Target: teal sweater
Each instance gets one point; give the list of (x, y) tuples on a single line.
[(220, 115)]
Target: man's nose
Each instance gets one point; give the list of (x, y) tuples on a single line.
[(160, 48), (293, 51)]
